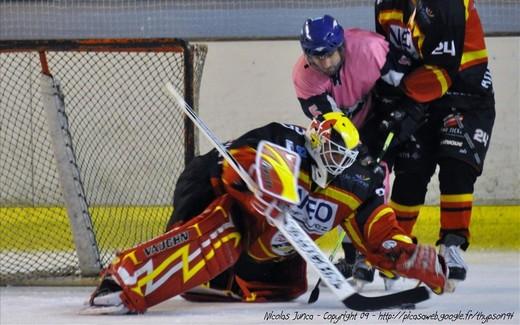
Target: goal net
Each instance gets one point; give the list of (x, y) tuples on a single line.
[(90, 149)]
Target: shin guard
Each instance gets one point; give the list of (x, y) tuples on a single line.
[(184, 257)]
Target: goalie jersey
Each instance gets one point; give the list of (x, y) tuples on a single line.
[(352, 199)]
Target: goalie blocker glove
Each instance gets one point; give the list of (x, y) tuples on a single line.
[(415, 261)]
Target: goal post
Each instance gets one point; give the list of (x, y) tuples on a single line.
[(91, 149), (68, 172)]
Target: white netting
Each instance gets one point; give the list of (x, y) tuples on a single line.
[(129, 141)]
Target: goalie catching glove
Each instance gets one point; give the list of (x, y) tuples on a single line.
[(267, 205), (257, 204), (275, 171)]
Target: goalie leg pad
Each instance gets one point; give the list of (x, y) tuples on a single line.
[(184, 257)]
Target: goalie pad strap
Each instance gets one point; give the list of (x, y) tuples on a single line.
[(184, 257)]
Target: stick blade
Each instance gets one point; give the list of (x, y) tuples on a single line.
[(396, 300)]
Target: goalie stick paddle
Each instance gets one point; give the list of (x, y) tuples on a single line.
[(301, 241), (315, 293)]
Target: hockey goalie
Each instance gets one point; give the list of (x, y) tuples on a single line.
[(220, 246)]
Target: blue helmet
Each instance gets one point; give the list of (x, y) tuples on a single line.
[(321, 36)]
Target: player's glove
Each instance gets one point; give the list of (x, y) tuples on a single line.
[(405, 120), (398, 64), (379, 170)]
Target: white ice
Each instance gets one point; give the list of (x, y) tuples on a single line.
[(492, 289)]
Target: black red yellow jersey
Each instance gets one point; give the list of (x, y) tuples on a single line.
[(444, 42), (357, 193)]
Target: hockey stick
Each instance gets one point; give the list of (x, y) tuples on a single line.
[(301, 241), (388, 140), (315, 293)]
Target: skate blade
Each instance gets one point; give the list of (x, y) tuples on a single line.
[(451, 285), (110, 304), (357, 283), (389, 284)]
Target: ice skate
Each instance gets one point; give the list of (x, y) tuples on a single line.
[(362, 272), (452, 253), (106, 300), (344, 267), (389, 279)]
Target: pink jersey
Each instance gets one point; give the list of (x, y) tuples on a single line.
[(365, 55)]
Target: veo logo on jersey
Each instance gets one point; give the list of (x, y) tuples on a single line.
[(315, 215)]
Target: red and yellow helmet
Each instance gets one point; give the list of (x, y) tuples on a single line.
[(332, 142)]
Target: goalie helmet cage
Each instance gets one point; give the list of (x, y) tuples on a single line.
[(90, 150)]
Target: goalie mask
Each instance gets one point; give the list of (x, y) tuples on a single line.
[(332, 142)]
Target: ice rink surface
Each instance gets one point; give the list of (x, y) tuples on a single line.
[(490, 295)]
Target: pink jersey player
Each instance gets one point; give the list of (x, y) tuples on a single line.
[(338, 69)]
